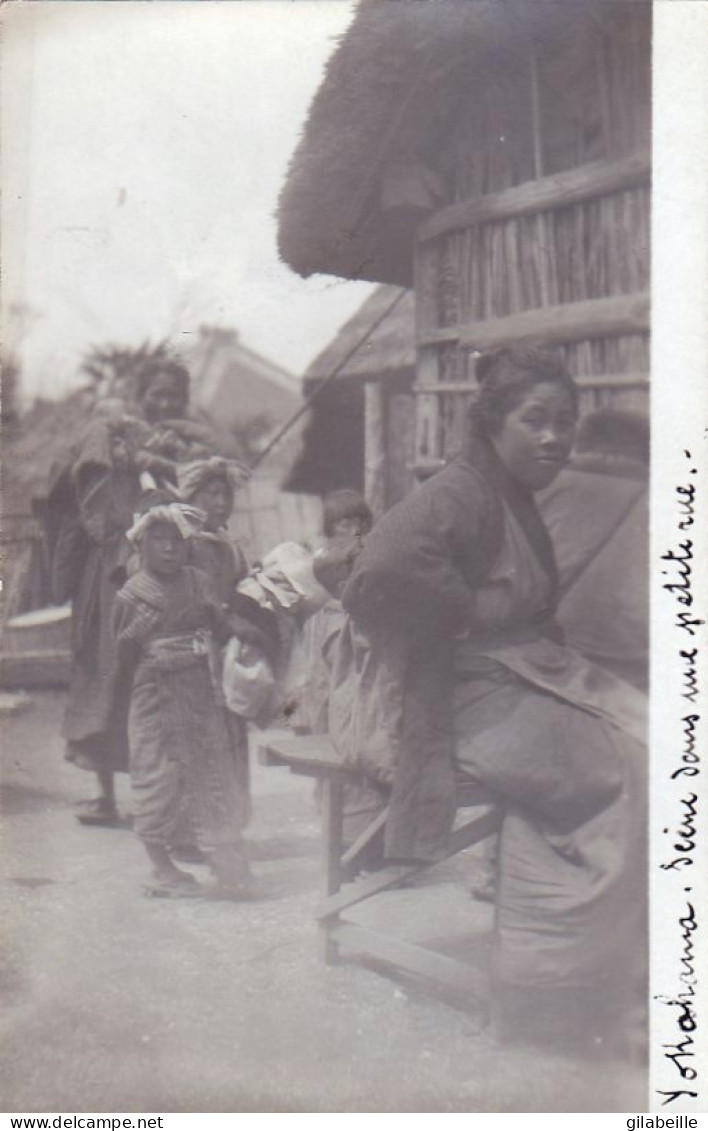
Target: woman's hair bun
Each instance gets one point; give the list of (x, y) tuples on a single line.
[(505, 374), (504, 365), (484, 365)]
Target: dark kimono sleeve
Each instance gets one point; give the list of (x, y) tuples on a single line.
[(79, 501), (93, 489), (134, 622), (423, 559), (92, 482)]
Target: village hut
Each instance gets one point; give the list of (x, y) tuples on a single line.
[(236, 385), (494, 156), (375, 384), (252, 397)]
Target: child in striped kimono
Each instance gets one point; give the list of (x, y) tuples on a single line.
[(185, 747)]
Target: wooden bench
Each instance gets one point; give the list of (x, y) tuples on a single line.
[(344, 888)]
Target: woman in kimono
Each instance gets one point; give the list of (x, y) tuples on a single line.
[(185, 747), (451, 604), (104, 485), (97, 496)]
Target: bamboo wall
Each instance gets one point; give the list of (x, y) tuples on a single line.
[(265, 515), (546, 232)]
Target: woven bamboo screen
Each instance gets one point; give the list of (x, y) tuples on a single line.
[(546, 233)]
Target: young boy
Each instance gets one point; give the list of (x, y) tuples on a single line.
[(185, 748)]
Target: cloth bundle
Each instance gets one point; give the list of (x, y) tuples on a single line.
[(285, 581), (286, 586), (247, 681)]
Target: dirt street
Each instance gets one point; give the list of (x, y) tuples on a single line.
[(116, 1002)]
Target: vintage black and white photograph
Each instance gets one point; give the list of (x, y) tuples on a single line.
[(324, 655)]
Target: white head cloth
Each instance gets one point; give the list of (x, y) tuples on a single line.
[(188, 520), (191, 476)]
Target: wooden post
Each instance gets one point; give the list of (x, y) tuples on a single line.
[(375, 447), (332, 828)]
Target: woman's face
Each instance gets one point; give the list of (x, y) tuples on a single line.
[(164, 550), (216, 499), (122, 454), (164, 399), (537, 435)]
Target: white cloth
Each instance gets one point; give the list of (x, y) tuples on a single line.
[(188, 520), (285, 581)]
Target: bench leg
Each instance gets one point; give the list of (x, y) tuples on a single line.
[(332, 830)]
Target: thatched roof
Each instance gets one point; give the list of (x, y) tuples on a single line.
[(41, 440), (381, 116), (390, 348)]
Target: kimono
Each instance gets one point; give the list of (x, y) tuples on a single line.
[(188, 754), (466, 670), (89, 564), (309, 684), (222, 561), (597, 513), (92, 549)]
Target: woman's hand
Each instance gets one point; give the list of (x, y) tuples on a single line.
[(246, 632), (158, 466), (332, 566)]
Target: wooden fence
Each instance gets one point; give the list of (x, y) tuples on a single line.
[(265, 515)]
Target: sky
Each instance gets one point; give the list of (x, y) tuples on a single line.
[(145, 145)]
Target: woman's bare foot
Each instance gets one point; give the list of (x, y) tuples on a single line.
[(229, 865), (168, 879)]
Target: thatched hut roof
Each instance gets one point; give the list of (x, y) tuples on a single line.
[(369, 164), (42, 439), (389, 349)]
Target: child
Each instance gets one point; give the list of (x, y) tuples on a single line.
[(210, 485), (185, 748), (347, 519)]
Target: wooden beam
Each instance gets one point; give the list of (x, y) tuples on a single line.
[(35, 669), (415, 959), (613, 381), (375, 447), (608, 317), (422, 388), (332, 825), (594, 381), (361, 889), (471, 832), (312, 753), (600, 178), (364, 839), (427, 409)]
